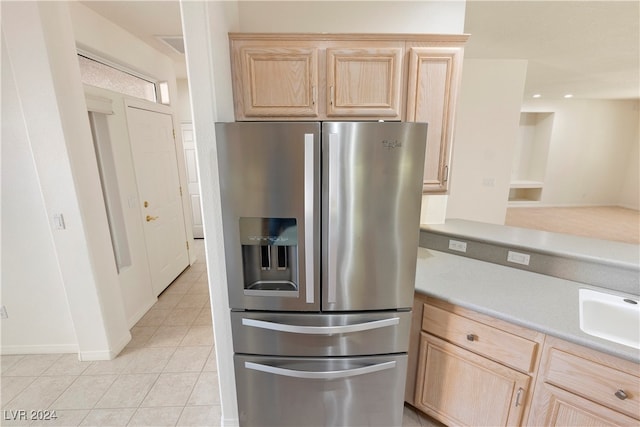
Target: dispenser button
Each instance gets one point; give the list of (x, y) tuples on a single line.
[(282, 258), (265, 257)]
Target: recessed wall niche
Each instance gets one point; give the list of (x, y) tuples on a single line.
[(530, 158)]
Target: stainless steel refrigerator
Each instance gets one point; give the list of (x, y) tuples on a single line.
[(321, 228)]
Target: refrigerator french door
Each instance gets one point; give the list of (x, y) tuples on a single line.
[(321, 228), (270, 191), (285, 191)]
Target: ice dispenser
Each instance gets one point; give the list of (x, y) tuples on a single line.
[(269, 256)]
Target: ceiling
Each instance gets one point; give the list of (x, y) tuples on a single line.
[(146, 20), (590, 49)]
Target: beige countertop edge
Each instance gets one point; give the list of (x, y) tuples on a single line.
[(535, 301)]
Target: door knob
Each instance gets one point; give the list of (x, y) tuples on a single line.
[(151, 218)]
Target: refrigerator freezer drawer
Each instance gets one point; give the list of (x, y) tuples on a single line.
[(298, 334), (346, 391)]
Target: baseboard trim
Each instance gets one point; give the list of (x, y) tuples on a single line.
[(89, 356), (538, 204), (83, 356), (38, 349), (229, 422), (140, 313)]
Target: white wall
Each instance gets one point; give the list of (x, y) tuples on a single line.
[(39, 317), (532, 147), (40, 48), (593, 152), (205, 26), (184, 101), (487, 126), (444, 17), (629, 192)]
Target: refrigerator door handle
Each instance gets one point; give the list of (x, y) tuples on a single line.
[(322, 375), (309, 226), (334, 181), (321, 330)]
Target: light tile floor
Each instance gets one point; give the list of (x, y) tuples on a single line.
[(166, 375)]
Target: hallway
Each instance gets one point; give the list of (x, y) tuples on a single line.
[(166, 375)]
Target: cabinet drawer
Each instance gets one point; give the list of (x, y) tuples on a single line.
[(493, 343), (594, 381)]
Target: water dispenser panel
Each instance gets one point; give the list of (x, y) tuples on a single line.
[(269, 256)]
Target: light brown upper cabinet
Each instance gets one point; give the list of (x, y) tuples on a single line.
[(396, 77), (274, 81), (280, 77), (433, 80), (365, 82)]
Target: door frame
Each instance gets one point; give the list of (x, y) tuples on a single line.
[(198, 229)]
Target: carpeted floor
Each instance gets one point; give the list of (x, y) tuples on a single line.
[(600, 222)]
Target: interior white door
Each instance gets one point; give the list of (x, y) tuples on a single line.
[(154, 155), (193, 184)]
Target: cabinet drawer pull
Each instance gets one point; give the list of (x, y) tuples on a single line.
[(471, 337), (518, 395), (620, 394)]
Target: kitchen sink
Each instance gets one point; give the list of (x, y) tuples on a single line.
[(612, 317)]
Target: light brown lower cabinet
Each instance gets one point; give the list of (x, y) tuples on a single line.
[(577, 386), (467, 368), (563, 409), (470, 369), (461, 388)]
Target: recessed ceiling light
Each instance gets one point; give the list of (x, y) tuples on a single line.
[(568, 95), (537, 95)]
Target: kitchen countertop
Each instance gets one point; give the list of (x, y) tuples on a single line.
[(619, 254), (536, 301), (600, 263)]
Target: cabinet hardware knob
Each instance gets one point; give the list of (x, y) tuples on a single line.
[(620, 394), (151, 218), (471, 337)]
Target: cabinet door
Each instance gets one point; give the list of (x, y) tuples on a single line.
[(434, 74), (562, 408), (276, 82), (458, 387), (365, 82)]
